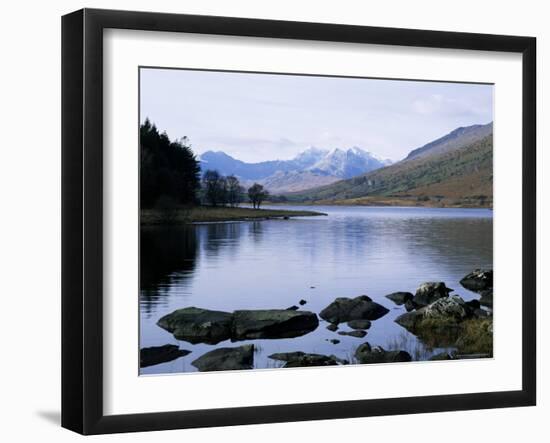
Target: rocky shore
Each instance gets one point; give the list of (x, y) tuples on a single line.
[(433, 314)]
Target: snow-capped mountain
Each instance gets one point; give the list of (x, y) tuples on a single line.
[(310, 168), (348, 163)]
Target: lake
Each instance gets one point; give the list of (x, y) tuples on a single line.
[(275, 263)]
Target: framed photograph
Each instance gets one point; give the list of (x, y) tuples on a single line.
[(269, 221)]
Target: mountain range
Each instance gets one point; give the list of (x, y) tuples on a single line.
[(456, 169), (311, 168)]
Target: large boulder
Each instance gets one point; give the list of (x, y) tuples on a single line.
[(367, 354), (439, 323), (226, 359), (301, 359), (429, 292), (272, 323), (160, 354), (400, 298), (478, 280), (345, 309), (196, 325)]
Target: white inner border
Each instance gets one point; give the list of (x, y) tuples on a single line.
[(125, 392)]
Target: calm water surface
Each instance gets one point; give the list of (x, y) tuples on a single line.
[(275, 263)]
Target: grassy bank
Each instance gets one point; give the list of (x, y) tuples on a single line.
[(407, 201), (208, 214)]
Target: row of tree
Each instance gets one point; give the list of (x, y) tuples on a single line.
[(219, 190), (170, 174)]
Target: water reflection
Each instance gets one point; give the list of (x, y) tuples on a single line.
[(168, 256), (275, 263)]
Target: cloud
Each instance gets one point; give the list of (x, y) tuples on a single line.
[(438, 104)]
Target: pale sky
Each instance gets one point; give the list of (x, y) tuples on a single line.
[(257, 117)]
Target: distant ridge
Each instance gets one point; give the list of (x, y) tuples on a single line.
[(457, 166), (312, 167), (456, 139)]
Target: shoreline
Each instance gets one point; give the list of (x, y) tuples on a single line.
[(393, 201), (221, 214)]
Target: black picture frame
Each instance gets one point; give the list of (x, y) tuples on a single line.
[(82, 220)]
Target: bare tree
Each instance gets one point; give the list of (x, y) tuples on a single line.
[(234, 191), (257, 194), (214, 186)]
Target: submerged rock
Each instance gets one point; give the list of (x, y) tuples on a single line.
[(355, 333), (366, 354), (272, 323), (226, 359), (359, 324), (301, 359), (160, 354), (196, 325), (332, 327), (302, 302), (334, 341), (429, 292), (478, 280), (400, 298), (344, 309)]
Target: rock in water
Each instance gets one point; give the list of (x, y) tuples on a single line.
[(345, 309), (478, 280), (359, 324), (160, 354), (196, 325), (226, 359), (400, 298), (301, 359), (429, 292), (356, 333), (332, 327), (272, 323), (366, 354), (302, 302)]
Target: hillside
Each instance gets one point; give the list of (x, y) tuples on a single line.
[(456, 139), (455, 170)]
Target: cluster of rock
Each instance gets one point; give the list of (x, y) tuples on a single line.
[(432, 314), (425, 294), (366, 354), (301, 359), (437, 317), (357, 312), (197, 325), (480, 281)]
